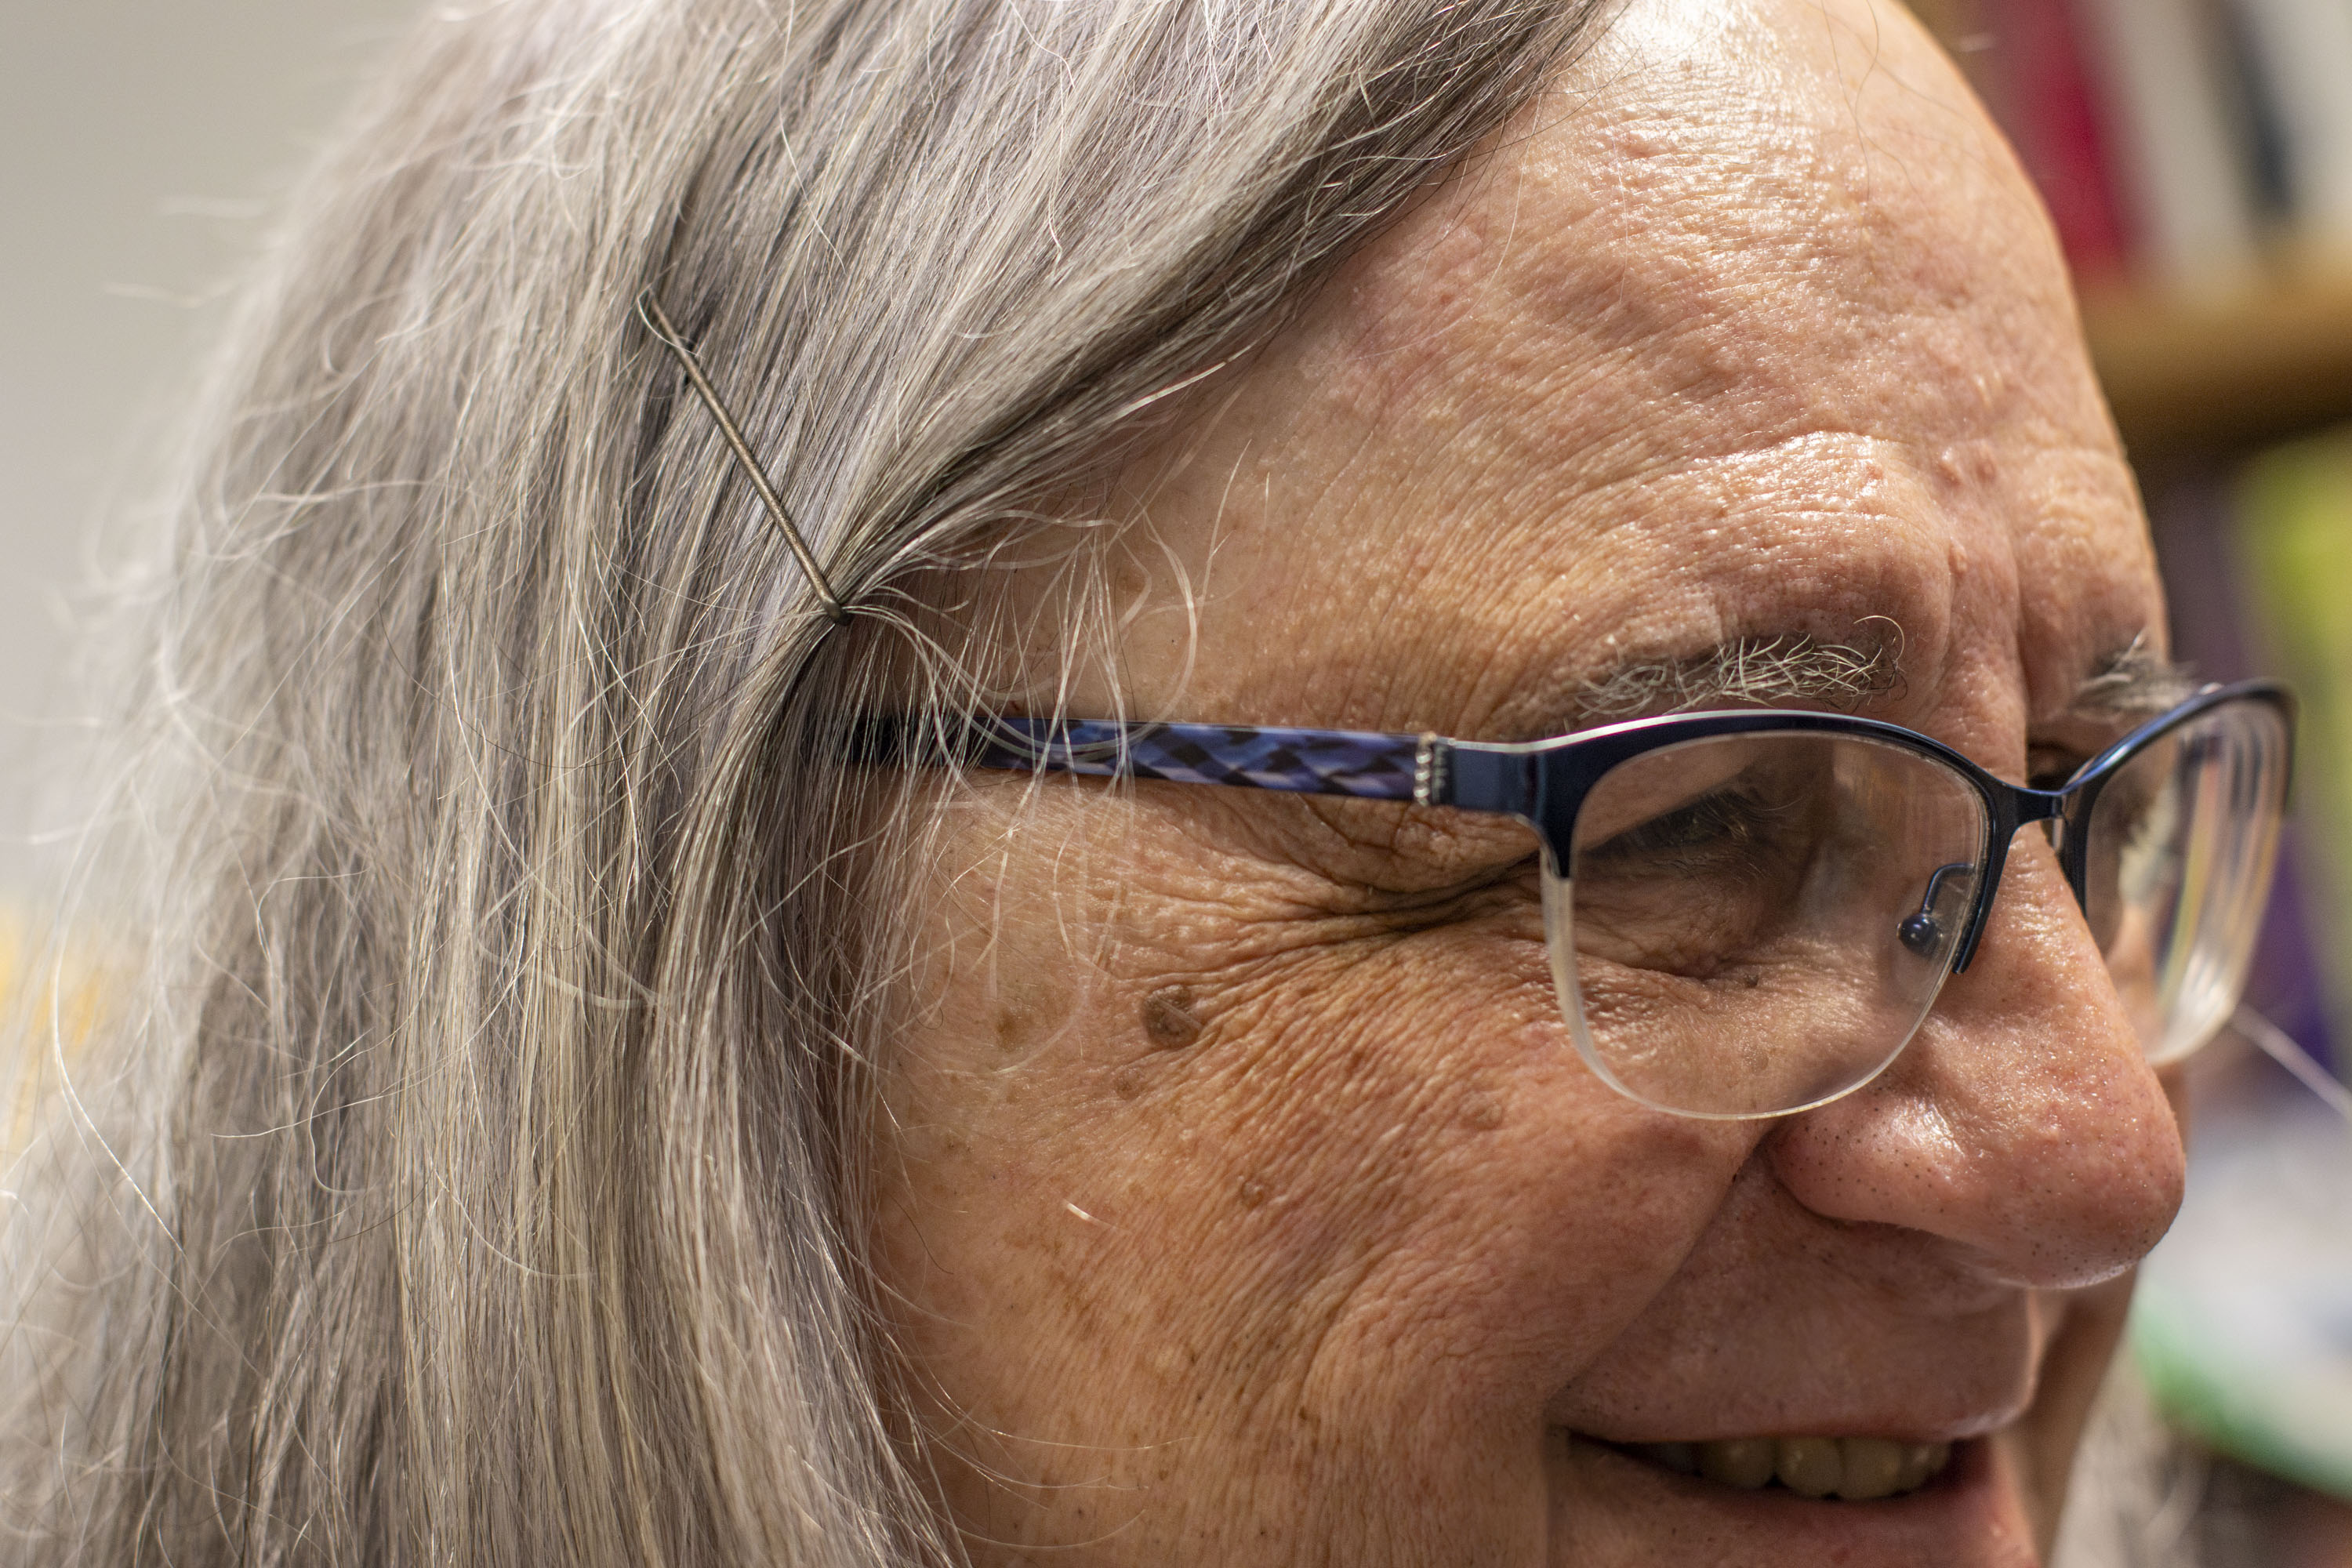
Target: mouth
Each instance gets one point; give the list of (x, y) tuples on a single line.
[(1853, 1469), (1790, 1501)]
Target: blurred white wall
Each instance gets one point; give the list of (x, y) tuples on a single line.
[(140, 144)]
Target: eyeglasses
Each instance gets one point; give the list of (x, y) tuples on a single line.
[(1749, 913)]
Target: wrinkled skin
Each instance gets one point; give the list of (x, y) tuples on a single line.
[(1338, 1253)]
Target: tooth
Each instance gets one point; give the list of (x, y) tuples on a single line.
[(1857, 1468), (1874, 1468), (1917, 1457), (1810, 1466), (1680, 1457), (1742, 1462), (1923, 1462)]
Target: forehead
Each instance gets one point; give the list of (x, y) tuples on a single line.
[(1750, 328)]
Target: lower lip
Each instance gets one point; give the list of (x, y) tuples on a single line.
[(1609, 1507)]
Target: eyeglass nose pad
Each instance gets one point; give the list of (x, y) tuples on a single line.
[(1922, 930)]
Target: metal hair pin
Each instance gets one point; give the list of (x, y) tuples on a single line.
[(657, 322)]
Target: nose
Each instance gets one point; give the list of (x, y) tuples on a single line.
[(2022, 1123)]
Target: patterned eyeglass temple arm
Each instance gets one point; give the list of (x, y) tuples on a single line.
[(1427, 770)]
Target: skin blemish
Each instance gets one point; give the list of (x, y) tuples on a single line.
[(1127, 1081), (1968, 463), (1168, 1020), (1129, 581), (1018, 1018), (1253, 1192), (1481, 1112), (1026, 1007)]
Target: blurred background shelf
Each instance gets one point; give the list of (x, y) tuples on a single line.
[(2196, 375)]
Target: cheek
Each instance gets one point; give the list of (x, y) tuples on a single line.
[(1262, 1178), (1450, 1206)]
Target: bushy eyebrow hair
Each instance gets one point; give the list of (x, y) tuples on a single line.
[(2135, 682), (1747, 671)]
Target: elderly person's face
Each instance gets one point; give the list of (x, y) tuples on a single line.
[(1246, 1201)]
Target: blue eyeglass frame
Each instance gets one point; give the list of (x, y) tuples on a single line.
[(1544, 783)]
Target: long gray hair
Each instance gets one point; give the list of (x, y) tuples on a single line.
[(474, 1174)]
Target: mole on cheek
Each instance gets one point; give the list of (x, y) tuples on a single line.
[(1169, 1019)]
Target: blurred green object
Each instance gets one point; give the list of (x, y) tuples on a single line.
[(2242, 1323), (2293, 540)]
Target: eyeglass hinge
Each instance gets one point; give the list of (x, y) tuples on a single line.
[(1429, 770)]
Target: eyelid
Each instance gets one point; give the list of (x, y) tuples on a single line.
[(2048, 767), (1715, 811), (1709, 770), (2086, 730), (2051, 760)]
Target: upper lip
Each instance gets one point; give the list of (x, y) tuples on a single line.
[(1919, 1404), (1898, 1433), (1897, 1423)]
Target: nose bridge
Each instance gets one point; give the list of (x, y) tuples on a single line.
[(2051, 1158), (2032, 805), (2015, 808)]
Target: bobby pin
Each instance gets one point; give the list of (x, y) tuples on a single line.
[(658, 321)]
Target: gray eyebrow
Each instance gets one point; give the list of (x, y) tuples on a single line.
[(2135, 682), (1748, 670)]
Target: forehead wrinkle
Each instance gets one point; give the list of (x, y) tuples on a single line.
[(1547, 631), (1656, 377), (1668, 308)]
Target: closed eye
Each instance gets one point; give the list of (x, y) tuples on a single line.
[(1726, 822)]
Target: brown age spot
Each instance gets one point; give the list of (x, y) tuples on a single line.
[(1169, 1018), (1253, 1192), (1027, 1008), (1127, 1081), (1018, 1014), (1129, 580), (1481, 1111)]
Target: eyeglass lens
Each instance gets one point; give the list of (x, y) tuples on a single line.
[(2178, 863), (1732, 908), (1752, 924)]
